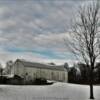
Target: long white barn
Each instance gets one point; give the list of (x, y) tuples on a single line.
[(32, 70)]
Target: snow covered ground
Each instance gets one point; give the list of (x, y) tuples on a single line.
[(57, 91)]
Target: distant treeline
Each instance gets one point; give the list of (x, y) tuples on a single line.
[(80, 73)]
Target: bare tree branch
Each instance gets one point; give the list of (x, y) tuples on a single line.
[(85, 35)]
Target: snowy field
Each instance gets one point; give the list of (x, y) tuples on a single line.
[(57, 91)]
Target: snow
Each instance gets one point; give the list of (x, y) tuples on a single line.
[(57, 91)]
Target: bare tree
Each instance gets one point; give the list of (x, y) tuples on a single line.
[(84, 38), (9, 67)]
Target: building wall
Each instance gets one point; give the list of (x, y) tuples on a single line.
[(19, 69), (30, 73)]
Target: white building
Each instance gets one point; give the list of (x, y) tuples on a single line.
[(32, 70)]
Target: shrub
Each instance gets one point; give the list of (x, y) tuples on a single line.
[(40, 81), (16, 80)]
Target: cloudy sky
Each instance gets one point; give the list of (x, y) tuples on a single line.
[(35, 29)]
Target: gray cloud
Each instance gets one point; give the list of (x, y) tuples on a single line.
[(20, 24), (35, 24)]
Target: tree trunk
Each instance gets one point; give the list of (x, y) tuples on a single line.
[(91, 84), (91, 91)]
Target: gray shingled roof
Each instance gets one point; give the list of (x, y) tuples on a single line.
[(40, 65)]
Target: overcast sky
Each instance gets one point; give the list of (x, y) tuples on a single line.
[(35, 29)]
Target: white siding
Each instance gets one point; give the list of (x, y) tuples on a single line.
[(33, 73), (19, 69)]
